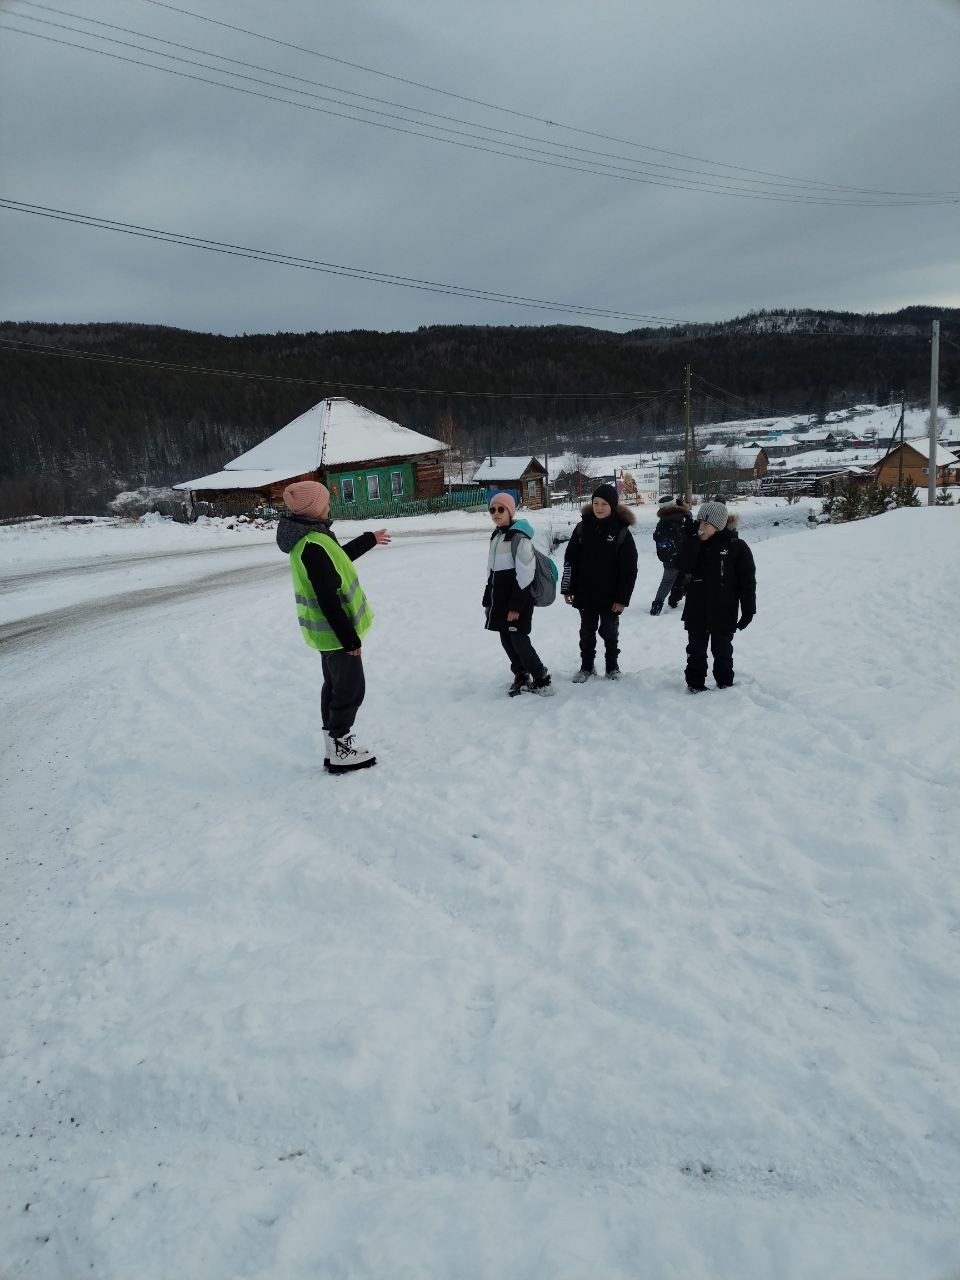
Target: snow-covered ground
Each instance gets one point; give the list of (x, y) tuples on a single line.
[(622, 983)]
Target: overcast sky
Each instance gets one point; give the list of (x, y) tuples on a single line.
[(770, 98)]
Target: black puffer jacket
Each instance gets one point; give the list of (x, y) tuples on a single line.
[(600, 562), (723, 582)]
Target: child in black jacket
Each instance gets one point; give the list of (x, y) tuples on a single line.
[(599, 574), (723, 584)]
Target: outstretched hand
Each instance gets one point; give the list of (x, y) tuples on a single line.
[(383, 538)]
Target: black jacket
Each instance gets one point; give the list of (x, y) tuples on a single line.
[(723, 582), (321, 571), (600, 562)]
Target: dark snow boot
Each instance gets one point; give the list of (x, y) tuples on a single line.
[(520, 682), (542, 685), (656, 607), (696, 688), (614, 673)]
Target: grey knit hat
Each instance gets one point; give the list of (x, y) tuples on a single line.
[(714, 513)]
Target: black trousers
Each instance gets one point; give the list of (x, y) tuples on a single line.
[(524, 659), (721, 646), (342, 693), (608, 624)]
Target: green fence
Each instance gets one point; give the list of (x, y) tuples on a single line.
[(389, 508)]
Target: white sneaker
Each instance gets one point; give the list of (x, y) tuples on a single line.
[(583, 675), (346, 756)]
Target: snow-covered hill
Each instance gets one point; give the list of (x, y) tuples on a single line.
[(618, 984)]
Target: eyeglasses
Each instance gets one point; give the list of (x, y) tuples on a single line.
[(500, 511)]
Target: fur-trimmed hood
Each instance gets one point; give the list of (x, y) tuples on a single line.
[(621, 513), (672, 511)]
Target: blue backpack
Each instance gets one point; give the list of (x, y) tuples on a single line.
[(669, 536), (543, 589)]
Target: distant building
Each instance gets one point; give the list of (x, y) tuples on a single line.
[(363, 459), (749, 461), (525, 477), (916, 464)]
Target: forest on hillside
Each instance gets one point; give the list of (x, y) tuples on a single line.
[(78, 423)]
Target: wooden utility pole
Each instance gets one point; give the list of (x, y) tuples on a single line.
[(934, 405), (687, 445)]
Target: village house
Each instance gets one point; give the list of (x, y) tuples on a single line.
[(749, 461), (916, 464), (365, 460), (524, 477)]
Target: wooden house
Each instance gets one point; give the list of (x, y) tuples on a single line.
[(750, 462), (524, 477), (362, 458), (916, 464)]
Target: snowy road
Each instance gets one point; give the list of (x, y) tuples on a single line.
[(619, 984)]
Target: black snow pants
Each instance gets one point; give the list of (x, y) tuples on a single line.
[(342, 693), (608, 624), (721, 645)]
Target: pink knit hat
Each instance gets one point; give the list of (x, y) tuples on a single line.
[(308, 498), (504, 500)]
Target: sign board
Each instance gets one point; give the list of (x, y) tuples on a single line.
[(641, 484)]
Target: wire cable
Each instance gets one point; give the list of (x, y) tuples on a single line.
[(516, 152), (588, 154), (329, 268), (36, 348), (492, 106)]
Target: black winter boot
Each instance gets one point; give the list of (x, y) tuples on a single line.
[(520, 682), (656, 607)]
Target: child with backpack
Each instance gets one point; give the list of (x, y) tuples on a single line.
[(599, 574), (508, 598), (674, 526)]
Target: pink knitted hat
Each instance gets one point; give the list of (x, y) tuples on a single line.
[(504, 500), (308, 498)]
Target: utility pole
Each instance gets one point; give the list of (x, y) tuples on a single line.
[(934, 405), (687, 445), (900, 424)]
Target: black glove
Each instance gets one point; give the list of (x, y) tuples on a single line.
[(745, 622)]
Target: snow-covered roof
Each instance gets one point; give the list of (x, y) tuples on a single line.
[(234, 478), (742, 455), (813, 437), (944, 457), (331, 434), (503, 468)]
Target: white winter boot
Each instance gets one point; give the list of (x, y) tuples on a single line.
[(346, 755), (328, 749)]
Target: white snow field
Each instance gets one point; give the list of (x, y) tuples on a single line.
[(622, 983)]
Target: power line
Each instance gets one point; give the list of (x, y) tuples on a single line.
[(34, 348), (531, 155), (492, 106), (328, 268), (590, 155)]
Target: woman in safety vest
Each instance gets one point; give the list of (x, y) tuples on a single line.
[(334, 613)]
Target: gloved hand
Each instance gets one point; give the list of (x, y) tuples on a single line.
[(745, 622)]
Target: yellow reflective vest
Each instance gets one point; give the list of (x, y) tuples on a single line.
[(314, 626)]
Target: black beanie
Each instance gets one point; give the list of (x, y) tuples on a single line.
[(608, 492)]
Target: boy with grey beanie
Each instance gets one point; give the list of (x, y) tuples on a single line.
[(723, 584)]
